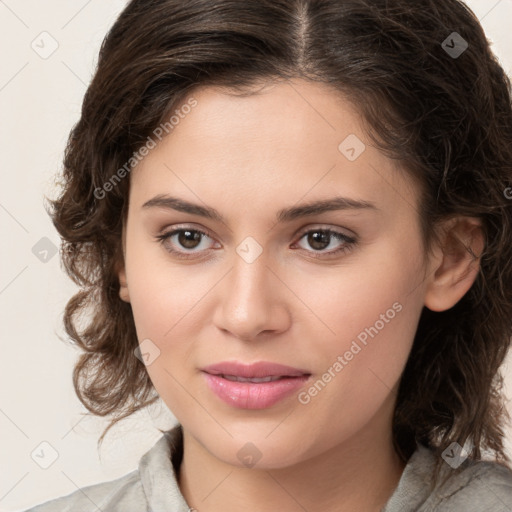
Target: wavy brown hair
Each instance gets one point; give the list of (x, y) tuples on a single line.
[(448, 120)]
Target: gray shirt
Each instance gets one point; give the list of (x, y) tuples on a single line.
[(153, 487)]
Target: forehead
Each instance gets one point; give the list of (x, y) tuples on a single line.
[(282, 110), (287, 138)]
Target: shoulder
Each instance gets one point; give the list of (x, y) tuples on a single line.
[(111, 496), (481, 485), (475, 486), (152, 486)]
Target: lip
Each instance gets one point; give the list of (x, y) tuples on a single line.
[(252, 395), (259, 369)]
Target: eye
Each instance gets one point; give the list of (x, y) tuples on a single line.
[(321, 239), (184, 238), (185, 242)]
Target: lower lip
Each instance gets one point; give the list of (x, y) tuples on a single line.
[(253, 395)]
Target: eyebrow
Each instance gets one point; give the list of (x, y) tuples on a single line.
[(284, 215)]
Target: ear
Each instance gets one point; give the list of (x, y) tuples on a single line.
[(121, 271), (456, 263)]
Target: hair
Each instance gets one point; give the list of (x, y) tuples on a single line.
[(447, 120)]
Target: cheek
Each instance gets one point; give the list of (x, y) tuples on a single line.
[(379, 291), (161, 293), (169, 304), (373, 312), (163, 309)]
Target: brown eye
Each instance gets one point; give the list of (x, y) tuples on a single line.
[(321, 239), (189, 239), (318, 240), (184, 242)]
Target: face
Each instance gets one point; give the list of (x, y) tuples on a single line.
[(334, 292)]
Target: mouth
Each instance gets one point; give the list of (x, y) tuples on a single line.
[(236, 378), (259, 370), (254, 386)]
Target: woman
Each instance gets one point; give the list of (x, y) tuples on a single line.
[(290, 221)]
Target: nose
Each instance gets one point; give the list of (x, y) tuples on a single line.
[(252, 303)]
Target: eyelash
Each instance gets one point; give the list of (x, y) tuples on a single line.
[(348, 245)]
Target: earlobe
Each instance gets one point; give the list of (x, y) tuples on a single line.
[(458, 266), (124, 294)]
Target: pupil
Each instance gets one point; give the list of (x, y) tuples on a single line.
[(188, 238), (321, 237)]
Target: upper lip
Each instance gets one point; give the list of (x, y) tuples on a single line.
[(256, 370)]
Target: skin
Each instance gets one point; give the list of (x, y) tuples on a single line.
[(249, 157)]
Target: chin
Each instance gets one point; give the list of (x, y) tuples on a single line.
[(259, 451)]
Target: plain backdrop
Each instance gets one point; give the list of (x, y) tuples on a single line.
[(49, 50)]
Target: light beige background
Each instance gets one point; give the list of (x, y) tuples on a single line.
[(40, 100)]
